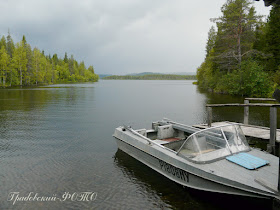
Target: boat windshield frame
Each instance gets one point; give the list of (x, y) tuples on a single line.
[(230, 150)]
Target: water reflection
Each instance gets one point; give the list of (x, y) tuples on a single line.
[(158, 187)]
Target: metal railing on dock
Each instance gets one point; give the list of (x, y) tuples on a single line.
[(246, 105)]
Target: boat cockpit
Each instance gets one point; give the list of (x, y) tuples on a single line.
[(200, 146)]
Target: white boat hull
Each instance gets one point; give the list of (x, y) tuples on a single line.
[(180, 176)]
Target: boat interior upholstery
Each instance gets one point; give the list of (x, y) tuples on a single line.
[(166, 135)]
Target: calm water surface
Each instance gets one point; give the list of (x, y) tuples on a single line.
[(58, 139)]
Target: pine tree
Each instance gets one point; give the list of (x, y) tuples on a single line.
[(55, 59), (235, 36), (272, 37), (10, 44), (29, 64), (211, 40), (71, 65), (65, 58), (3, 42), (24, 41)]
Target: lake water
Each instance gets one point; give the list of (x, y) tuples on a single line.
[(56, 141)]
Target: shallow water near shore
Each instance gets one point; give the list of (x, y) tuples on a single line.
[(56, 141)]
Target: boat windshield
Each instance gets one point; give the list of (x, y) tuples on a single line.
[(214, 143)]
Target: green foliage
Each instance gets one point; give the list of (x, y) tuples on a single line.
[(10, 45), (250, 80), (19, 61), (20, 65), (245, 57), (277, 77), (272, 38), (3, 42), (4, 62), (152, 77), (205, 75), (212, 35)]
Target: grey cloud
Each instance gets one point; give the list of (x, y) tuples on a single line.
[(116, 36)]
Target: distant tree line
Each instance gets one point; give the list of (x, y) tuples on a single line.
[(242, 52), (22, 65), (152, 77)]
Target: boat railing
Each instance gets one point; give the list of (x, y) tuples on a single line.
[(193, 129), (149, 140), (187, 126)]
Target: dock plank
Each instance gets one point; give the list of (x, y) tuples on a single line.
[(248, 130)]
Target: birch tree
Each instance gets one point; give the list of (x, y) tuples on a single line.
[(4, 62), (20, 61)]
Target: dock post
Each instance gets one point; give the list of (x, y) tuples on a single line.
[(273, 128), (279, 177), (246, 112), (209, 116)]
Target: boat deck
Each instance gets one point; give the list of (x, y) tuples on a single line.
[(248, 130)]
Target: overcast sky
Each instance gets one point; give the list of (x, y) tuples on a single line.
[(117, 36)]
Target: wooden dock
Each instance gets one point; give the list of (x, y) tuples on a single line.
[(248, 130), (272, 133)]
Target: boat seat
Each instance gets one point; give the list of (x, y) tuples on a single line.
[(160, 141), (165, 132), (171, 139)]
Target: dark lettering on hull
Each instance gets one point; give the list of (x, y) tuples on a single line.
[(176, 172)]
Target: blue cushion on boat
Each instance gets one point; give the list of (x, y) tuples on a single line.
[(247, 161)]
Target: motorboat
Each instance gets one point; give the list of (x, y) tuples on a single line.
[(216, 159)]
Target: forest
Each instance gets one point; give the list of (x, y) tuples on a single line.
[(20, 65), (242, 52), (151, 77)]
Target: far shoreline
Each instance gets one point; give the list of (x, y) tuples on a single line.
[(151, 77)]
